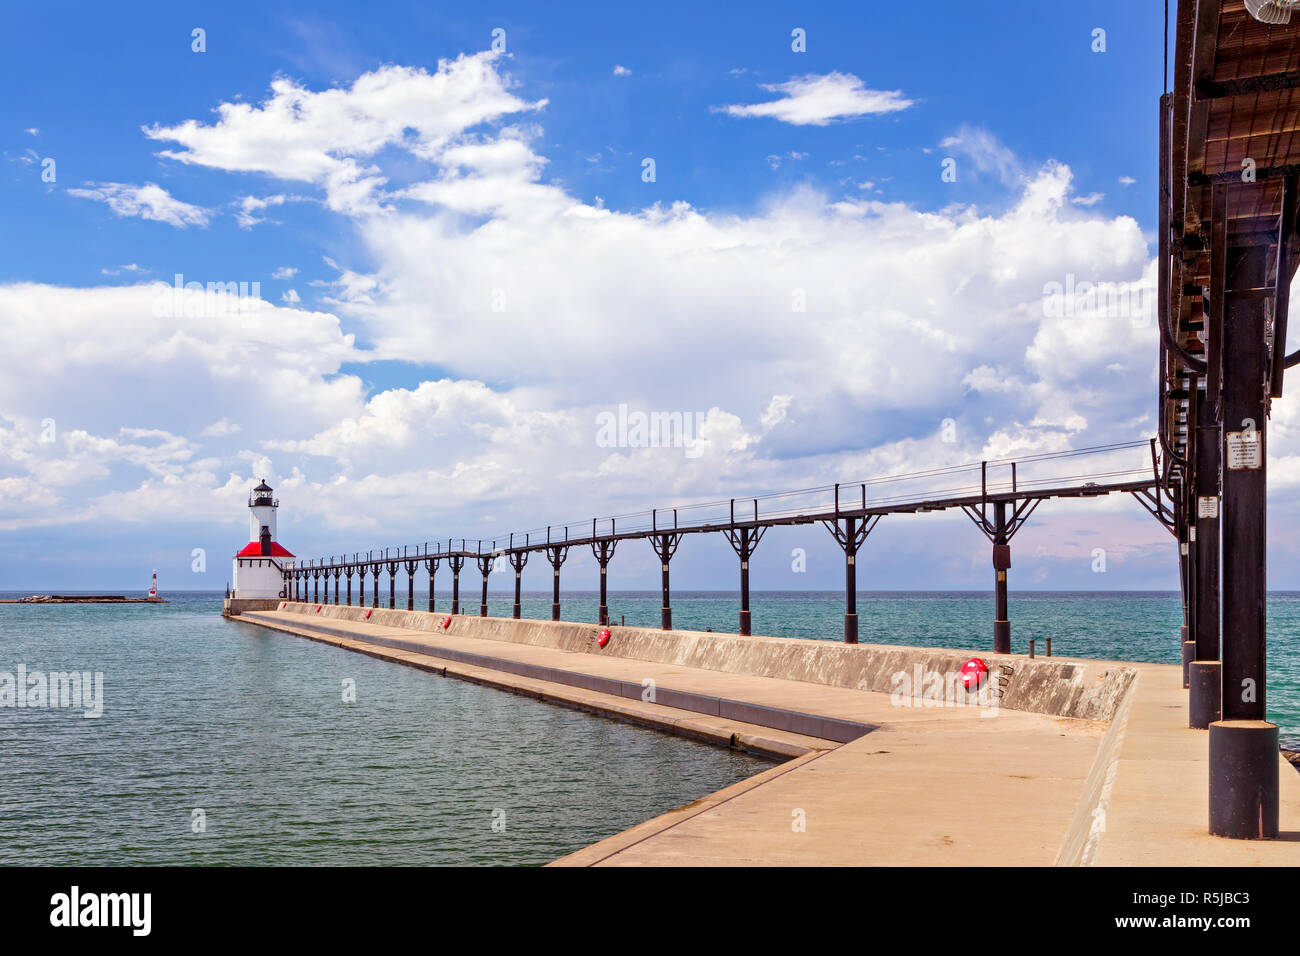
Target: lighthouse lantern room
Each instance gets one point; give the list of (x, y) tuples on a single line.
[(260, 566)]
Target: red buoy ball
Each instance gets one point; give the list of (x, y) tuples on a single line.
[(603, 639), (368, 610), (446, 623), (973, 673)]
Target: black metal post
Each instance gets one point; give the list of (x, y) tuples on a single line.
[(410, 584), (392, 584), (456, 562), (850, 537), (743, 541), (1244, 745), (555, 554), (485, 562), (665, 546), (1186, 572), (431, 563), (517, 560), (745, 624), (850, 584), (1204, 701), (1001, 564), (603, 551), (375, 569), (666, 610), (348, 571), (744, 552)]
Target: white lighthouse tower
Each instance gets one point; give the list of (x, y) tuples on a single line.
[(260, 566)]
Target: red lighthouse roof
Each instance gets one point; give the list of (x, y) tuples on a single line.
[(254, 550)]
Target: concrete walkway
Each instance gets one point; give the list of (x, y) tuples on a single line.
[(921, 786)]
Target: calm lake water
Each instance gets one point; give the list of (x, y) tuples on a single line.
[(250, 727)]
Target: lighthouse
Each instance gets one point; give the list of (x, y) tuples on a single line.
[(260, 565)]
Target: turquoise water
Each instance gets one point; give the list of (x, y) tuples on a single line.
[(250, 727)]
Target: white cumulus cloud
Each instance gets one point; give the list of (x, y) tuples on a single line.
[(149, 201), (815, 100)]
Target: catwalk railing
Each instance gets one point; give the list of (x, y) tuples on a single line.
[(998, 495)]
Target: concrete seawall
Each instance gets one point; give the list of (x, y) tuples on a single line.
[(233, 607), (1061, 687)]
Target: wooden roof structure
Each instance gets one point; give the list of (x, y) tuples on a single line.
[(1229, 162)]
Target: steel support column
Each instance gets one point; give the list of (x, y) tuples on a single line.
[(1000, 530), (555, 554), (431, 564), (1001, 565), (603, 551), (455, 562), (517, 561), (1244, 745), (1186, 546), (665, 546), (849, 532), (743, 542), (411, 565), (485, 562)]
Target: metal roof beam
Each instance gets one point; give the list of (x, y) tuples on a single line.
[(1247, 85)]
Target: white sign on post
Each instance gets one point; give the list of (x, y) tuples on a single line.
[(1207, 506), (1245, 451)]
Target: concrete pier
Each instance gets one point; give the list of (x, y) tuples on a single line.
[(1065, 761)]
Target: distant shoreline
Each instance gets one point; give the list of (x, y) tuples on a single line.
[(652, 592), (82, 599)]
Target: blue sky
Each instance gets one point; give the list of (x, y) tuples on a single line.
[(460, 265), (1025, 71)]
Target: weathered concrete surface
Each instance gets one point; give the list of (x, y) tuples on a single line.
[(1159, 808), (1066, 687), (1087, 827), (953, 785), (990, 794), (233, 607)]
